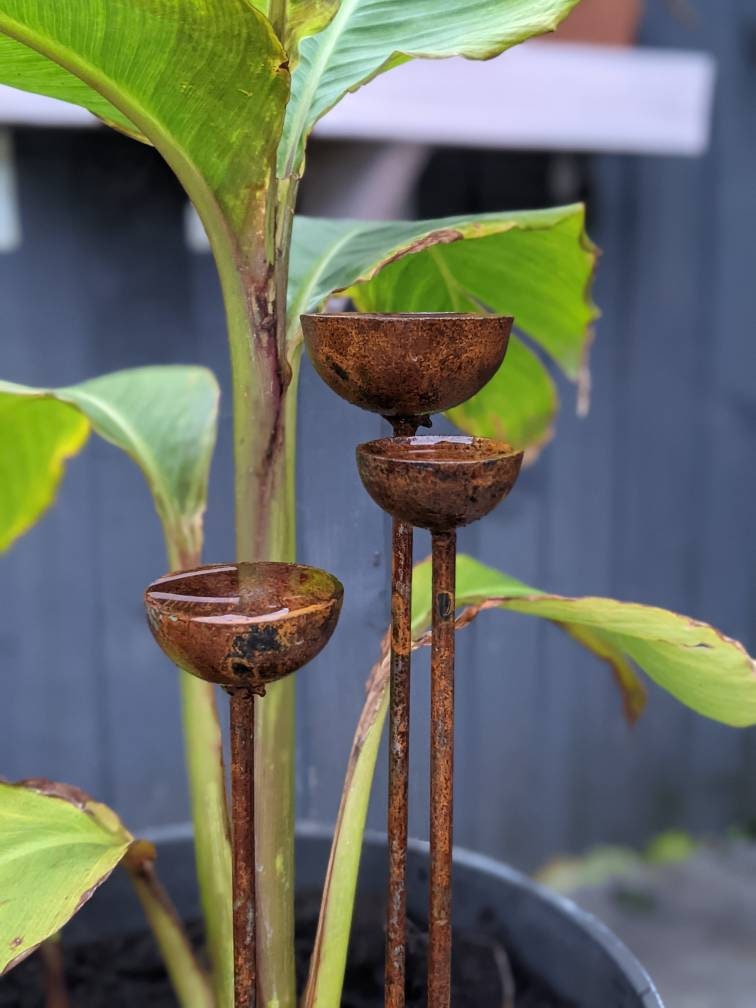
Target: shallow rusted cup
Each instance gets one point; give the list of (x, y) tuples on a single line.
[(245, 625), (438, 483), (406, 365)]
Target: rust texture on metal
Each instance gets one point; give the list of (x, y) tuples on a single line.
[(243, 819), (438, 483), (406, 365), (244, 625), (441, 769), (398, 796)]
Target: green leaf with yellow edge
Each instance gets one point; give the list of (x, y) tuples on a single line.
[(368, 37), (56, 847), (164, 418), (36, 439), (703, 669), (205, 81), (536, 265)]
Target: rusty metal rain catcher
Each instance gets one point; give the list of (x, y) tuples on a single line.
[(406, 367), (243, 627)]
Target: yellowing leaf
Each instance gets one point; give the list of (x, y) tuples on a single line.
[(164, 418), (56, 847), (698, 665), (36, 439)]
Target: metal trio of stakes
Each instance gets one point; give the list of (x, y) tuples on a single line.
[(243, 626), (406, 367)]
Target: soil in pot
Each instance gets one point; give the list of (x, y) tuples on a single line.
[(127, 971)]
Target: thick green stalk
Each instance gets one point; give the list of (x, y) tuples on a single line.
[(264, 439), (203, 745)]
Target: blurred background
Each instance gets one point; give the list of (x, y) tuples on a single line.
[(647, 498)]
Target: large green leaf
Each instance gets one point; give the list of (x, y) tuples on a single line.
[(56, 847), (204, 80), (536, 265), (26, 69), (164, 418), (367, 37), (705, 670)]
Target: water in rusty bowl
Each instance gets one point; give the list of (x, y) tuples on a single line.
[(244, 625), (438, 483)]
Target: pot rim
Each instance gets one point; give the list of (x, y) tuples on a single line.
[(614, 948)]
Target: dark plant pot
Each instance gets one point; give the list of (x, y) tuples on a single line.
[(571, 951), (603, 22)]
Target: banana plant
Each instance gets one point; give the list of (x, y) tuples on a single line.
[(228, 92)]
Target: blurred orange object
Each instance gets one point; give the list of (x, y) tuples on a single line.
[(604, 22)]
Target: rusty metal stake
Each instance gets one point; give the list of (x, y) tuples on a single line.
[(243, 822), (398, 798), (407, 367), (441, 770), (399, 730)]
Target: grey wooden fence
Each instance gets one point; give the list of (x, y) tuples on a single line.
[(649, 498)]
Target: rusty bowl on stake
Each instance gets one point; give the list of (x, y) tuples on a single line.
[(406, 365), (244, 625), (438, 483)]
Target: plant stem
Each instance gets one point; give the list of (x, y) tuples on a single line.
[(53, 968), (212, 841), (264, 444), (203, 745), (189, 982)]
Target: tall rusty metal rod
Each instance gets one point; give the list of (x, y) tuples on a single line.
[(407, 367), (243, 820), (402, 535), (398, 792), (441, 769)]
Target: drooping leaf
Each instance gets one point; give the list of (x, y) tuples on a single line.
[(164, 418), (698, 665), (56, 847), (535, 265), (203, 80), (367, 37), (303, 18), (518, 405), (705, 670)]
